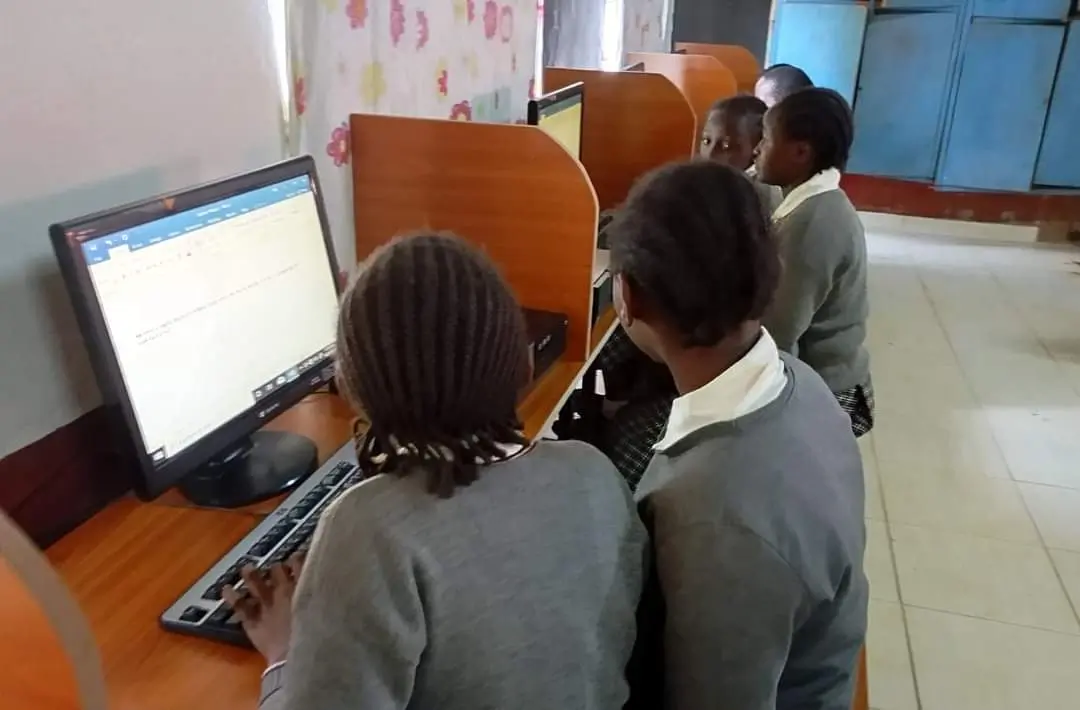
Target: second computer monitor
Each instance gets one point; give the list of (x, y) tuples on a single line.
[(559, 114)]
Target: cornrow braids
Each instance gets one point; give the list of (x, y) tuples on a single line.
[(822, 118), (693, 240), (432, 347)]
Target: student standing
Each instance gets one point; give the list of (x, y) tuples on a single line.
[(821, 306), (754, 497), (473, 569)]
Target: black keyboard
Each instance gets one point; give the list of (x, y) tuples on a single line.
[(201, 611)]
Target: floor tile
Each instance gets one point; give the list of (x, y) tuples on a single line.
[(976, 364), (937, 442), (879, 563), (1057, 513), (892, 685), (981, 577), (1068, 567), (973, 664), (1040, 443), (960, 503)]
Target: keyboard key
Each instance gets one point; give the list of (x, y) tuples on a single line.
[(220, 617), (193, 614), (213, 593)]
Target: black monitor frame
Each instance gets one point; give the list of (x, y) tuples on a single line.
[(66, 239), (566, 95)]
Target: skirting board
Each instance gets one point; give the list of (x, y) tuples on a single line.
[(956, 229)]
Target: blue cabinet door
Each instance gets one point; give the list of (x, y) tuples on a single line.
[(1001, 104), (1023, 9), (919, 4), (1059, 158), (824, 40), (907, 66)]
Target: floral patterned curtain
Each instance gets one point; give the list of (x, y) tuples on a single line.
[(469, 60)]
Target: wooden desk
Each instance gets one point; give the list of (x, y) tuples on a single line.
[(133, 559)]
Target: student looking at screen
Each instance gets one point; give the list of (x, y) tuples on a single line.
[(472, 569), (754, 497)]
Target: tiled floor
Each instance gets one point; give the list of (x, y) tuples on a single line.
[(973, 476)]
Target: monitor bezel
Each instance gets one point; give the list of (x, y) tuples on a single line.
[(541, 104), (66, 237)]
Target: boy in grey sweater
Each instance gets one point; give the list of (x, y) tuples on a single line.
[(471, 569), (820, 311), (754, 497)]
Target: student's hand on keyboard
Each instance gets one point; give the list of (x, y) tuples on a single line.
[(264, 606)]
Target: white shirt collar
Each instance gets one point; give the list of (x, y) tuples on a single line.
[(756, 380), (825, 181)]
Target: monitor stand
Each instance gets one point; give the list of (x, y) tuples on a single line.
[(255, 468)]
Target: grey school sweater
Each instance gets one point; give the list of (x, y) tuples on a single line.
[(820, 309), (517, 593), (758, 536)]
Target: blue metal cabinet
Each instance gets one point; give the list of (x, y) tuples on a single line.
[(1059, 159), (918, 4), (1001, 105), (823, 39), (1023, 9), (906, 71)]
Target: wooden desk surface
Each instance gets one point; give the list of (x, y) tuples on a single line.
[(133, 559)]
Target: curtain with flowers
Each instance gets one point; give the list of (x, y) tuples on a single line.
[(470, 60), (647, 25)]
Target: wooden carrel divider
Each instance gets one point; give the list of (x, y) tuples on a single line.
[(632, 122), (742, 63), (703, 80), (512, 190), (49, 659)]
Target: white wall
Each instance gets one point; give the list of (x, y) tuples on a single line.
[(103, 102)]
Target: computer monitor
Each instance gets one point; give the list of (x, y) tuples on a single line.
[(207, 312), (636, 66), (559, 114)]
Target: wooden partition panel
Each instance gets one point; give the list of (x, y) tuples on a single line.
[(632, 123), (48, 657), (512, 190), (740, 60), (703, 80)]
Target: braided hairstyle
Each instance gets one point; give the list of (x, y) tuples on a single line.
[(432, 347), (822, 118), (693, 241)]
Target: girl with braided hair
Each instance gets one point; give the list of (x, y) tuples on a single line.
[(472, 568), (820, 310)]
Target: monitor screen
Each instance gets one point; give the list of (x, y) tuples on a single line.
[(206, 311), (559, 114)]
